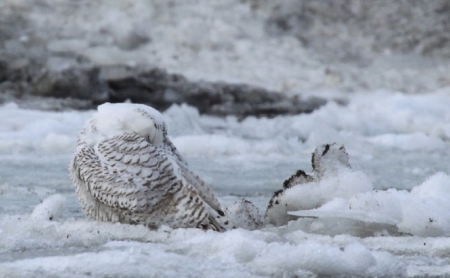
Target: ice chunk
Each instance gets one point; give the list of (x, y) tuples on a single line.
[(365, 216), (243, 214), (31, 130), (422, 212), (332, 178), (49, 209), (183, 120), (426, 212)]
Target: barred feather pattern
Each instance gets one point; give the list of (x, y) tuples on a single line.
[(126, 179)]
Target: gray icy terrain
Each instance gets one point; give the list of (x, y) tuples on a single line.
[(260, 58)]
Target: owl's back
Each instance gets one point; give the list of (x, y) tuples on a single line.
[(125, 178)]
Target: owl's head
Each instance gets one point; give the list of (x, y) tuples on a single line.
[(119, 118)]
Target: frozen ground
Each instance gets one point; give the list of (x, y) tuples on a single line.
[(399, 141)]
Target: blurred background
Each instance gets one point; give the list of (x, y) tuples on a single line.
[(225, 57)]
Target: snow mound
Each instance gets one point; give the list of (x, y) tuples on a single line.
[(245, 215), (332, 178), (422, 212), (49, 209)]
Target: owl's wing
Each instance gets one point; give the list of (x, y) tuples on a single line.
[(127, 173), (202, 188), (170, 148)]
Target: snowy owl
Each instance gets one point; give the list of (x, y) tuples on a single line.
[(125, 169), (327, 159)]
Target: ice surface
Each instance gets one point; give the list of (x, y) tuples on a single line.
[(102, 249), (398, 145), (421, 212), (251, 159)]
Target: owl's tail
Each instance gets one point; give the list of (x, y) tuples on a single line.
[(217, 221)]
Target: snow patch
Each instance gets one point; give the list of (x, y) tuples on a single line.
[(50, 209)]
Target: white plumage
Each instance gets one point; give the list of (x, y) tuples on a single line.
[(125, 169)]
